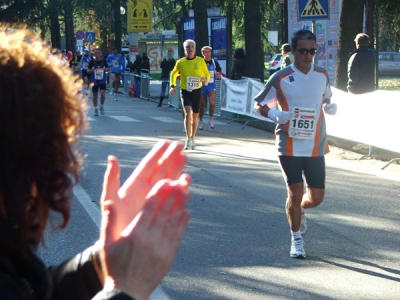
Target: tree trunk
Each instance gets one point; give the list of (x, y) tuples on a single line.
[(369, 22), (179, 26), (70, 42), (55, 25), (200, 24), (229, 16), (117, 24), (351, 23), (252, 29)]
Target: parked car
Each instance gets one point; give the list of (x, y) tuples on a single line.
[(389, 63), (275, 63)]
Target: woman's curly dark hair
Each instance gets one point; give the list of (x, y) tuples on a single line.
[(41, 118)]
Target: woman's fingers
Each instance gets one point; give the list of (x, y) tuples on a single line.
[(165, 161), (111, 182), (147, 164)]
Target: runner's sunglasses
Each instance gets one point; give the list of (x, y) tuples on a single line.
[(304, 51)]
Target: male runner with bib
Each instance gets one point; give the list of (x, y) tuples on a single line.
[(302, 92)]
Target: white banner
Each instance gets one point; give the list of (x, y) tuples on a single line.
[(237, 96)]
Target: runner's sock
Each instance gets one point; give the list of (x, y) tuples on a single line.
[(296, 235)]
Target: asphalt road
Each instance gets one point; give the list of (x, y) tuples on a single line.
[(238, 240)]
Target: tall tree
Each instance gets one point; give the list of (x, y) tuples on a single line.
[(254, 52), (351, 23), (200, 24), (116, 4), (70, 42)]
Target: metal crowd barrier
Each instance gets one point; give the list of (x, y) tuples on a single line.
[(175, 100), (145, 84), (217, 111), (128, 80)]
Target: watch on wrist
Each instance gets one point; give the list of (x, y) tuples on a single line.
[(172, 86)]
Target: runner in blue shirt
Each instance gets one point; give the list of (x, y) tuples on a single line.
[(209, 90), (116, 61)]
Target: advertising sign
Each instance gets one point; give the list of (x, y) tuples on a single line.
[(218, 37), (188, 29)]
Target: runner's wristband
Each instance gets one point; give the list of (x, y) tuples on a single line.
[(172, 86)]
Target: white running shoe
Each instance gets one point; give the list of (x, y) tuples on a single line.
[(193, 145), (96, 112), (303, 225), (211, 123), (201, 125), (187, 144), (115, 97), (297, 249), (102, 110), (111, 92)]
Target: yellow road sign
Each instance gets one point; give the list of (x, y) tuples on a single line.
[(140, 15)]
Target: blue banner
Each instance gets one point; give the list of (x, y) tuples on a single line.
[(188, 29), (218, 37)]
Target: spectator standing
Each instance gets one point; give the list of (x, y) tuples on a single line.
[(144, 65), (136, 79), (98, 68), (361, 67), (167, 64), (287, 56), (302, 92), (238, 65), (209, 90), (40, 166)]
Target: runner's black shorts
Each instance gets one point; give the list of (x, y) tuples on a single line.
[(85, 74), (95, 88), (313, 168), (191, 99)]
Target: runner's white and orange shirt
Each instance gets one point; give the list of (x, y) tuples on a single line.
[(303, 95)]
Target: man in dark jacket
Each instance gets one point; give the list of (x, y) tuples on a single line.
[(361, 67)]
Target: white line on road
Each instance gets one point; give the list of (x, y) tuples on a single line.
[(91, 208), (94, 212), (124, 119), (166, 120)]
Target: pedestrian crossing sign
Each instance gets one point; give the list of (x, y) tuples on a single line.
[(313, 10), (90, 37)]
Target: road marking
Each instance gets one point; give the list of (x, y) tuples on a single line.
[(161, 119), (215, 122), (90, 119), (124, 119), (91, 208), (166, 120), (94, 212)]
